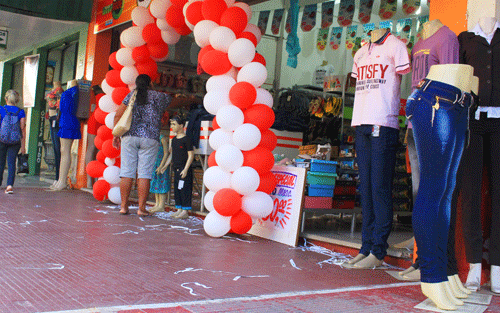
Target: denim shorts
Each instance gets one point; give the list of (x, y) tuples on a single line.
[(138, 155)]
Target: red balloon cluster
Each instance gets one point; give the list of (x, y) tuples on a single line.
[(228, 202)]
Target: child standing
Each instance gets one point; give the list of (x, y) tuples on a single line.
[(160, 181), (181, 156)]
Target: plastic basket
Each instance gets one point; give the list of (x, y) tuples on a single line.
[(320, 191), (321, 178), (324, 166)]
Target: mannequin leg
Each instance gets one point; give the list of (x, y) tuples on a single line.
[(65, 164), (451, 296), (474, 278), (161, 198), (125, 188), (356, 259), (437, 293), (455, 289), (90, 156), (370, 261), (456, 279)]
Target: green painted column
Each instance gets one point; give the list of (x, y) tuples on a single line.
[(35, 146)]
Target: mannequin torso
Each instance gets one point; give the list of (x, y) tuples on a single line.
[(487, 24), (430, 28), (377, 34), (458, 75)]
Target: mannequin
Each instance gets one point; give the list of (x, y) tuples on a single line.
[(480, 48), (53, 109), (376, 106), (69, 129), (440, 136)]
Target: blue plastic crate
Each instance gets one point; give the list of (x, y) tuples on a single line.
[(320, 190), (321, 178), (324, 166)]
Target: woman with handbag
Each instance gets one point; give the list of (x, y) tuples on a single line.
[(137, 131)]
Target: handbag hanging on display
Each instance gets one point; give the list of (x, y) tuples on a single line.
[(125, 121)]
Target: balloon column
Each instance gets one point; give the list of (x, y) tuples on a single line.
[(239, 178)]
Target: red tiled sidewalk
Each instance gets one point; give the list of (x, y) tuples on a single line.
[(65, 251)]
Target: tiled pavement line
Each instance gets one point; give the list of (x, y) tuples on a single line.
[(135, 308)]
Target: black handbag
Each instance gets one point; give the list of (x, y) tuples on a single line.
[(22, 163)]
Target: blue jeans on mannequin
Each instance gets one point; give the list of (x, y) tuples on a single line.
[(376, 157), (8, 153), (439, 114)]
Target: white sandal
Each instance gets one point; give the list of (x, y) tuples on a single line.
[(9, 190)]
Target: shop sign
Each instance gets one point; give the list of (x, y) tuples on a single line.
[(111, 13), (3, 38), (282, 225)]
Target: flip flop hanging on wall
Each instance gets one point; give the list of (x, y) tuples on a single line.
[(420, 21), (367, 31), (403, 29), (263, 20), (327, 14), (336, 37), (288, 23), (350, 38), (309, 17), (346, 12), (410, 6), (276, 23), (322, 39), (387, 9), (365, 11)]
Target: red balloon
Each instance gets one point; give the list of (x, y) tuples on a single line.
[(213, 10), (113, 62), (98, 143), (105, 133), (234, 18), (180, 3), (158, 50), (260, 115), (113, 79), (175, 16), (203, 51), (227, 202), (119, 94), (100, 157), (242, 95), (259, 58), (267, 182), (214, 124), (108, 149), (216, 62), (260, 159), (95, 169), (250, 36), (100, 189), (211, 160), (241, 223), (141, 54), (149, 68), (184, 29), (193, 12), (151, 33), (268, 140), (118, 162), (100, 115)]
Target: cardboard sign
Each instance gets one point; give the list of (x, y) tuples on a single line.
[(282, 225)]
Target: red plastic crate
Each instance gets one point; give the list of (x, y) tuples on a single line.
[(318, 202), (343, 204), (345, 190)]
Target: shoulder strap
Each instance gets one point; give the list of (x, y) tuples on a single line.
[(131, 102)]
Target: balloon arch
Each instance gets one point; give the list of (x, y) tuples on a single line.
[(239, 176)]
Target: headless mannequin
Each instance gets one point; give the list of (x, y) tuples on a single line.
[(460, 76), (473, 283), (56, 145), (430, 28), (62, 183), (377, 34)]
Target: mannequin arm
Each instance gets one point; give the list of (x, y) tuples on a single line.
[(163, 167), (188, 163)]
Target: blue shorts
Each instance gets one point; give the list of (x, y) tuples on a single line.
[(138, 155)]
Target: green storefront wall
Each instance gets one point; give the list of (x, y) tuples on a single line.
[(37, 113), (66, 10)]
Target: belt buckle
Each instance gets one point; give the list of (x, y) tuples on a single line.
[(421, 84)]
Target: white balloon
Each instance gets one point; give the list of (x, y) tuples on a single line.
[(254, 29), (202, 31), (124, 56), (112, 174), (264, 97), (114, 195), (216, 179), (220, 137), (255, 73), (221, 38), (209, 200), (246, 137), (106, 88), (132, 37), (230, 117), (220, 82), (128, 74), (170, 37), (245, 180), (141, 16), (216, 225), (109, 120), (158, 8), (109, 162), (241, 52), (245, 8), (216, 99), (258, 204), (163, 25), (107, 105), (229, 158)]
